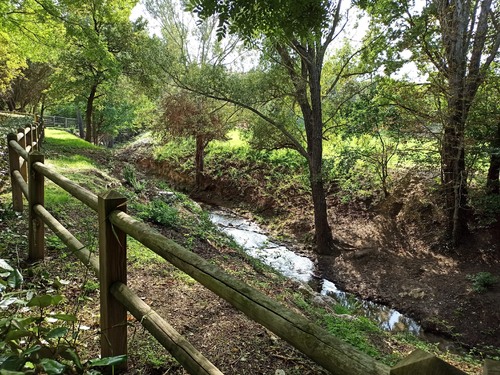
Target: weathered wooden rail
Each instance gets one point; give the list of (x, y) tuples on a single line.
[(60, 121), (333, 354)]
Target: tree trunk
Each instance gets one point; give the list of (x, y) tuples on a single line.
[(323, 232), (492, 180), (79, 122), (199, 160), (314, 122), (455, 180), (88, 113)]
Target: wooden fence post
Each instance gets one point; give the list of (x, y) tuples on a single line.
[(22, 141), (422, 363), (35, 136), (23, 166), (29, 138), (36, 241), (17, 195), (491, 367), (113, 268)]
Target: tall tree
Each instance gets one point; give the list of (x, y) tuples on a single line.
[(297, 35), (456, 42), (187, 115), (98, 38), (27, 36), (484, 127)]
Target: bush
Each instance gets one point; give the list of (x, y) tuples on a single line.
[(482, 281), (35, 337), (160, 212), (131, 178)]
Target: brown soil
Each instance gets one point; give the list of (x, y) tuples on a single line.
[(400, 260), (395, 254)]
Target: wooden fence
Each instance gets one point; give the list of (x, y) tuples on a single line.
[(59, 121), (116, 298)]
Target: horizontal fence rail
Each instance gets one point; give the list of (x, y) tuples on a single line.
[(60, 121), (115, 224)]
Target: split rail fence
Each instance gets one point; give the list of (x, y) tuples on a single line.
[(59, 121), (28, 172)]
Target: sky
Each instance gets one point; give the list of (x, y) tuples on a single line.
[(354, 33)]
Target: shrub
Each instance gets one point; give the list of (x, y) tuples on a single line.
[(38, 338), (131, 178), (482, 281), (160, 212)]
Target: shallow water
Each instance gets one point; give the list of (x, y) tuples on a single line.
[(257, 244)]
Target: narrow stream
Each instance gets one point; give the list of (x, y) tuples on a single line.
[(258, 245)]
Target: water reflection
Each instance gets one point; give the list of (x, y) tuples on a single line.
[(258, 245)]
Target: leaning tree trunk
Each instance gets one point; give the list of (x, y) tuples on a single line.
[(492, 180), (88, 113), (79, 122)]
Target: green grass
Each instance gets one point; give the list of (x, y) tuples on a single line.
[(141, 256), (55, 196), (60, 140)]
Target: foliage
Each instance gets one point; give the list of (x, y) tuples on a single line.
[(482, 281), (355, 331), (34, 336), (278, 18), (159, 212), (456, 68), (130, 176), (187, 115)]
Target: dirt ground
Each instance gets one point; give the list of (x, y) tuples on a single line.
[(400, 261)]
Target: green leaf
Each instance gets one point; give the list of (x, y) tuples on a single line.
[(64, 317), (57, 333), (73, 356), (32, 350), (15, 279), (45, 300), (8, 372), (52, 367), (108, 361), (12, 363), (16, 334), (5, 266)]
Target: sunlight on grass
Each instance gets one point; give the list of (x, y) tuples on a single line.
[(62, 141), (55, 196), (235, 139), (141, 255), (73, 162), (57, 139)]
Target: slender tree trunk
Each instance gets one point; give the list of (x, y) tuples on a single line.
[(492, 180), (88, 113), (199, 160), (323, 232), (324, 239), (455, 180), (79, 122)]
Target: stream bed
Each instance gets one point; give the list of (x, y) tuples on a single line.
[(259, 245)]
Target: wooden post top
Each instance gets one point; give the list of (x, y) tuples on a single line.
[(423, 363)]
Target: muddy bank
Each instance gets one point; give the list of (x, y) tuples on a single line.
[(396, 257)]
